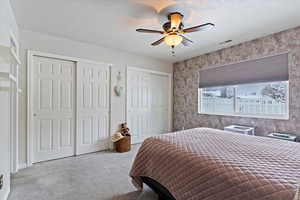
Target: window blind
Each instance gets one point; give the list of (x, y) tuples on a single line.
[(267, 69)]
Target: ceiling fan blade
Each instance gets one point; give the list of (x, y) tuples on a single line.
[(141, 30), (158, 42), (198, 28), (186, 41)]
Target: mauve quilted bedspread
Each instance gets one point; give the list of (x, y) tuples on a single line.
[(209, 164)]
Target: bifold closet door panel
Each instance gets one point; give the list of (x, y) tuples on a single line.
[(147, 104), (160, 103), (53, 108), (139, 105), (92, 107)]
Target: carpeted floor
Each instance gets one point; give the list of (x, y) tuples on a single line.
[(97, 176)]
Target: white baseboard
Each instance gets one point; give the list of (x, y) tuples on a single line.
[(22, 166)]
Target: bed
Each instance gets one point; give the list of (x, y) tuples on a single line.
[(210, 164)]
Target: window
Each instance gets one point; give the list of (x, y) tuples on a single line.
[(265, 100)]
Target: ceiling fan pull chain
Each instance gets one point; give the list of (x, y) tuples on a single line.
[(173, 50)]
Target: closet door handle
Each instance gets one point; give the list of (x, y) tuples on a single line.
[(34, 114)]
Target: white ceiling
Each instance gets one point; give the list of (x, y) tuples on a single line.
[(112, 23)]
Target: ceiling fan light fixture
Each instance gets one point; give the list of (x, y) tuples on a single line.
[(173, 39)]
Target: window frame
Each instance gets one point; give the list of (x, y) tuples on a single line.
[(285, 117)]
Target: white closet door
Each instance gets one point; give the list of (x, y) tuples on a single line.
[(160, 104), (147, 104), (92, 107), (53, 108)]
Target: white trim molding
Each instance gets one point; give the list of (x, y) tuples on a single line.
[(30, 55), (22, 166)]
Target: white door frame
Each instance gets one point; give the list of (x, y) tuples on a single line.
[(14, 135), (30, 127), (170, 77)]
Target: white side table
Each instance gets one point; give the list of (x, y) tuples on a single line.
[(284, 136)]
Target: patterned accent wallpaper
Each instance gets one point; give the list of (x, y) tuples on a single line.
[(186, 79)]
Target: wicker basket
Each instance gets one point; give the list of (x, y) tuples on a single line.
[(123, 145)]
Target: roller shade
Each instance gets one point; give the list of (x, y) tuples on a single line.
[(268, 69)]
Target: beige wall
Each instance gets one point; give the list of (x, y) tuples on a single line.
[(61, 46), (186, 82)]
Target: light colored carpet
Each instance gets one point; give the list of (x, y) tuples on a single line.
[(97, 176)]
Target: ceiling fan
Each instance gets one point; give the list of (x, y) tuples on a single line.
[(173, 31)]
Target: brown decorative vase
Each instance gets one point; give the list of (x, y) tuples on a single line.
[(123, 145)]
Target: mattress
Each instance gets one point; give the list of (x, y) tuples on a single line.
[(210, 164)]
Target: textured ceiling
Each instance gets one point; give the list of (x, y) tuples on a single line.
[(112, 23)]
